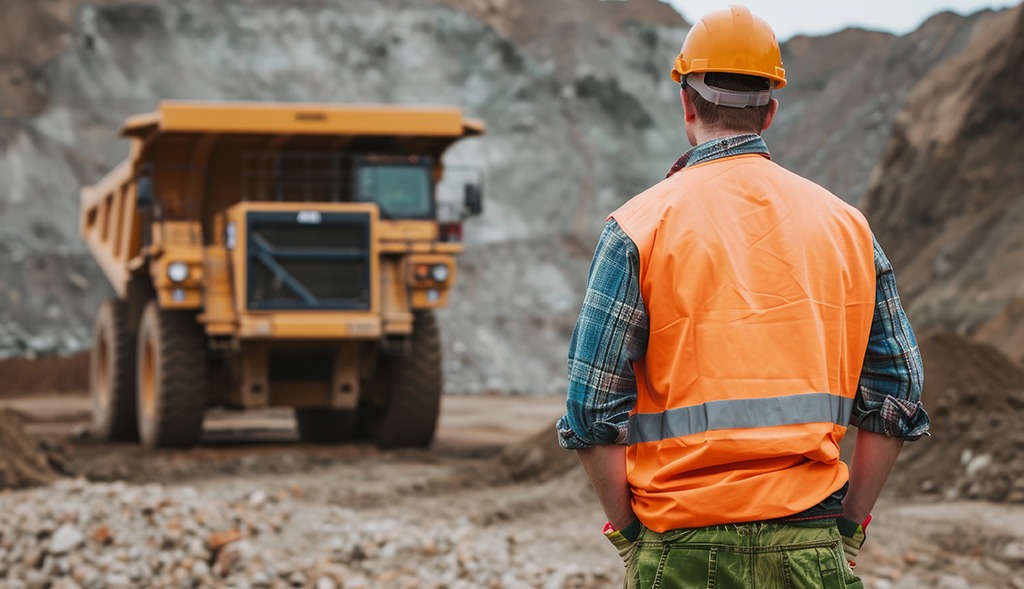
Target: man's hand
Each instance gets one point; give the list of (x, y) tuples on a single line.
[(623, 540), (854, 535), (606, 468)]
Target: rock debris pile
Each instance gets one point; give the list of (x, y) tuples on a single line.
[(975, 396), (25, 461), (76, 534)]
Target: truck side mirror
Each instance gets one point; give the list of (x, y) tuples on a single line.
[(473, 202)]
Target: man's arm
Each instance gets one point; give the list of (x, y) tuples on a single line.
[(873, 458), (606, 468), (610, 334), (888, 408)]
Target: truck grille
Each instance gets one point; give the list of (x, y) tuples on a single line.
[(308, 260)]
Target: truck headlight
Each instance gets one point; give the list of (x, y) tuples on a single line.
[(177, 271), (439, 272)]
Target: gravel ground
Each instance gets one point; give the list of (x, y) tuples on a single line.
[(413, 520), (237, 534), (488, 507)]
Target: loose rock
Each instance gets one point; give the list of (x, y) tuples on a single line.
[(65, 539)]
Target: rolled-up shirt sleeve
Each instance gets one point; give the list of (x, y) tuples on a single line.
[(888, 397), (611, 333)]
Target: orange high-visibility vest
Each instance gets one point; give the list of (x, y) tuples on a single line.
[(759, 287)]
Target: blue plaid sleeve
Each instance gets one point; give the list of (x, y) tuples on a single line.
[(611, 333), (889, 395)]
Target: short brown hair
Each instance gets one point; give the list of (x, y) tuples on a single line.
[(726, 118)]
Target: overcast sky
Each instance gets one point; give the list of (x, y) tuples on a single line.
[(791, 17)]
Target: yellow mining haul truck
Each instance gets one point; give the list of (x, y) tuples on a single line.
[(269, 255)]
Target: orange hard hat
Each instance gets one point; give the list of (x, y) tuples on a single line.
[(731, 41)]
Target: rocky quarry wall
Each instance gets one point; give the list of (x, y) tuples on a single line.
[(580, 112), (948, 193)]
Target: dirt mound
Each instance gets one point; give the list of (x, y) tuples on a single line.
[(21, 376), (538, 459), (534, 461), (972, 375), (25, 462), (975, 396)]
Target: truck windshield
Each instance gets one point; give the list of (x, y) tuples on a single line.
[(401, 190)]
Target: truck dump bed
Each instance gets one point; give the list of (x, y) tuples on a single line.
[(183, 150), (302, 118)]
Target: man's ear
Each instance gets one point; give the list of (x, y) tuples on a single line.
[(689, 110), (773, 109)]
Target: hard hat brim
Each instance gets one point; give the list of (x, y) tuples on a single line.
[(680, 71)]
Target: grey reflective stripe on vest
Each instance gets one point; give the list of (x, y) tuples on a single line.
[(739, 413)]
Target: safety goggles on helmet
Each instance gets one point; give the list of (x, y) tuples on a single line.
[(730, 98)]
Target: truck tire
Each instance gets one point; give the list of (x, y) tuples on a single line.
[(414, 397), (112, 374), (171, 378), (325, 426)]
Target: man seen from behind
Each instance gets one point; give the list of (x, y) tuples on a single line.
[(737, 319)]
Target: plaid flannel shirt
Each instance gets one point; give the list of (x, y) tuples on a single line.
[(612, 331)]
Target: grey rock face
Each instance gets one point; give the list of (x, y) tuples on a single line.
[(580, 118)]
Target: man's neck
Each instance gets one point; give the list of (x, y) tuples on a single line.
[(705, 135)]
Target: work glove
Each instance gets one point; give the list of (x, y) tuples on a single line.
[(853, 535), (623, 540)]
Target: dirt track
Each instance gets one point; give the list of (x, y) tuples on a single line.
[(519, 510)]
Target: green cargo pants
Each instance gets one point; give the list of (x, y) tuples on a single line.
[(806, 555)]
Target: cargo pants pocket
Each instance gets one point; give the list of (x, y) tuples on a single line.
[(818, 567), (667, 566)]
